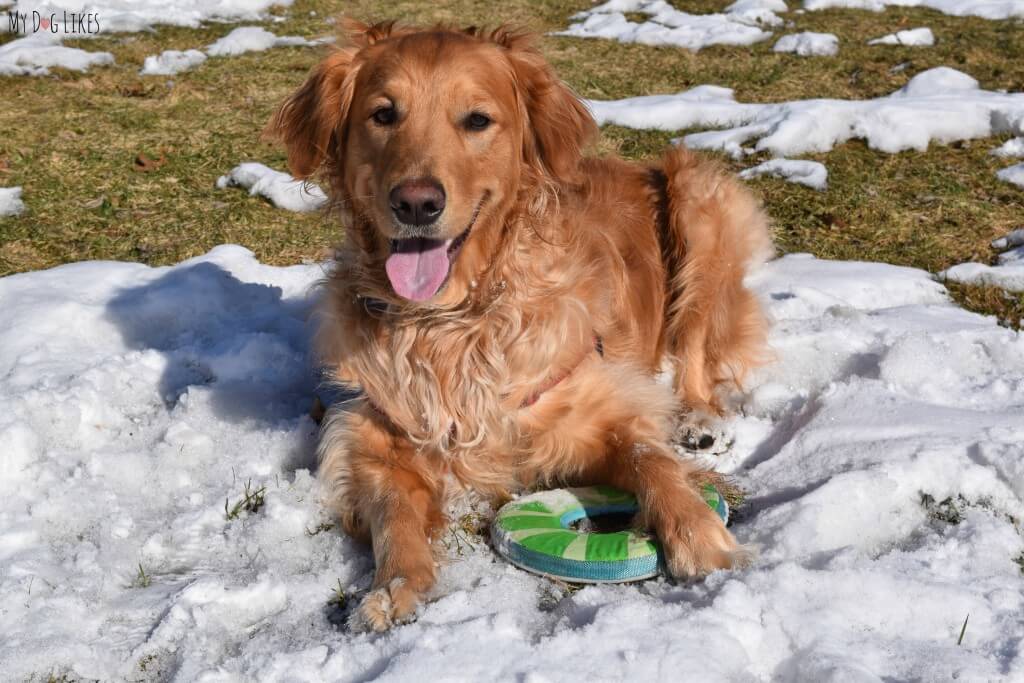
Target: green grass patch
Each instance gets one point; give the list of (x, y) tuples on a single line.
[(142, 579), (250, 502)]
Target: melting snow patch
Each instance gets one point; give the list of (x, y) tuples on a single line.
[(281, 189), (911, 37), (757, 12), (1014, 174), (1008, 272), (1013, 147), (941, 105), (34, 55), (252, 39), (669, 26), (808, 44), (986, 9), (134, 400), (809, 173), (171, 62), (1013, 239), (10, 201), (130, 16)]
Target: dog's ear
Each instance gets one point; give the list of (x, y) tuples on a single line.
[(309, 121), (558, 124)]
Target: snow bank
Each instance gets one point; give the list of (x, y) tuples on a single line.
[(1014, 147), (986, 9), (1008, 272), (941, 105), (281, 189), (910, 37), (669, 26), (170, 62), (10, 201), (36, 54), (135, 400), (808, 44), (1014, 174), (252, 39), (809, 173)]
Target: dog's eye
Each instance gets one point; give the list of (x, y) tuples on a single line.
[(385, 116), (477, 121)]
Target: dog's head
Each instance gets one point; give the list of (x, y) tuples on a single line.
[(428, 138)]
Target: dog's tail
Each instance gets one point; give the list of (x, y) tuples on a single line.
[(713, 231)]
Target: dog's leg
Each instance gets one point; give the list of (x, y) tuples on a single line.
[(382, 486), (694, 539), (715, 330), (611, 426)]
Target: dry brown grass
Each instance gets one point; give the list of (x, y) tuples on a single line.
[(71, 139)]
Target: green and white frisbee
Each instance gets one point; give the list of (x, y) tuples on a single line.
[(534, 533)]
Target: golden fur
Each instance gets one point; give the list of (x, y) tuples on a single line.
[(561, 247)]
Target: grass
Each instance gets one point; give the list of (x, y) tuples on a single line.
[(250, 502), (963, 630), (947, 511), (464, 533), (72, 140), (339, 598), (142, 579)]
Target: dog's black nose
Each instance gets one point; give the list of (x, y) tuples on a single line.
[(417, 202)]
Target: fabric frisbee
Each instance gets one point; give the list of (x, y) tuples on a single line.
[(535, 533)]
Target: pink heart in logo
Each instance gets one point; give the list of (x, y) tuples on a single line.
[(45, 23)]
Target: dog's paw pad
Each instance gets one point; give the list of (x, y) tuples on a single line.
[(703, 439), (386, 607)]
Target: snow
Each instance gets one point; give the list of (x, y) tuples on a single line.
[(281, 189), (130, 16), (808, 44), (910, 37), (757, 12), (1013, 174), (10, 201), (1014, 147), (668, 26), (941, 105), (810, 173), (135, 400), (1008, 272), (171, 62), (252, 39), (239, 41), (986, 9), (1014, 239), (36, 54)]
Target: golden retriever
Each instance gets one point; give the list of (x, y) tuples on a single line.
[(506, 303)]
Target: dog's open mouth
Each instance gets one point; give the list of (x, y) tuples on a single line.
[(419, 266)]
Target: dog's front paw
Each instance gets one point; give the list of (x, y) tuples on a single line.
[(700, 433), (385, 607), (695, 543)]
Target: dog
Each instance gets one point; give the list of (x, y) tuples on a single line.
[(506, 303)]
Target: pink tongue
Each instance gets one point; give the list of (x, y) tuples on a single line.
[(417, 267)]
